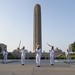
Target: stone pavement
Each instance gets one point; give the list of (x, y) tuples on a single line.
[(32, 69)]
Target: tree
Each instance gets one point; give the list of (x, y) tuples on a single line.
[(0, 49), (73, 47), (57, 48)]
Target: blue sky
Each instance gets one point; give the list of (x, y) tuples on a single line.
[(16, 23)]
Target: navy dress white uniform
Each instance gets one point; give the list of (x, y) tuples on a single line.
[(23, 53), (51, 56), (68, 56), (5, 56), (38, 56)]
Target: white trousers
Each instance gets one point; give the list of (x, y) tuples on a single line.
[(22, 59), (38, 60), (5, 59), (68, 58), (51, 59)]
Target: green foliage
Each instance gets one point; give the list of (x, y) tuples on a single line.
[(0, 49), (10, 56), (63, 56), (73, 47)]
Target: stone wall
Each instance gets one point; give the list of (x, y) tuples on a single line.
[(33, 55)]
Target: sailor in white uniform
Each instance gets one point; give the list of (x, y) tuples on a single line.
[(5, 56), (52, 56), (23, 53), (38, 56), (68, 56)]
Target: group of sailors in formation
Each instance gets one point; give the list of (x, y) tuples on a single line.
[(38, 52), (5, 55)]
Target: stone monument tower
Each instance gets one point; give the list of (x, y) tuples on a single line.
[(37, 39)]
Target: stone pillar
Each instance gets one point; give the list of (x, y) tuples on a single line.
[(37, 39)]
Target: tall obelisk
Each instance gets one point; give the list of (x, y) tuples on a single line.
[(37, 38)]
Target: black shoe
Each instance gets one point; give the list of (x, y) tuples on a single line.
[(38, 66), (52, 64), (22, 64)]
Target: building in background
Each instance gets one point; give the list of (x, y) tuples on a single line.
[(72, 47), (2, 47)]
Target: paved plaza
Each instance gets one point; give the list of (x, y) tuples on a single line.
[(15, 68)]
